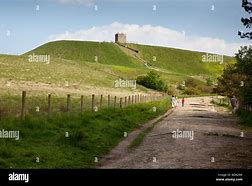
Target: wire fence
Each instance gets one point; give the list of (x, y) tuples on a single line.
[(21, 106)]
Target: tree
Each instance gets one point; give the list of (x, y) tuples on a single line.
[(230, 81), (244, 67), (247, 22), (237, 78), (244, 60)]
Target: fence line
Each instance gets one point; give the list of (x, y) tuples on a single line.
[(49, 105), (71, 104), (23, 105)]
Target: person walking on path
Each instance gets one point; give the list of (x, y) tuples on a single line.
[(173, 101), (234, 104), (183, 102)]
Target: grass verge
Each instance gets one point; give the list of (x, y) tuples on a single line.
[(91, 135), (245, 118), (139, 139)]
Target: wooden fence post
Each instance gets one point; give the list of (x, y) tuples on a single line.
[(101, 101), (81, 106), (49, 106), (115, 102), (129, 100), (23, 105), (108, 100), (120, 102), (135, 98), (93, 98), (68, 102), (125, 101), (132, 100)]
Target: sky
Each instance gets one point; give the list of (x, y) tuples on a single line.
[(200, 25)]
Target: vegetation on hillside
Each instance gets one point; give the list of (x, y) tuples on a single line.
[(192, 86), (96, 52), (181, 61), (72, 141), (152, 80)]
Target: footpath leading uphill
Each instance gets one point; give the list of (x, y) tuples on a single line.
[(193, 136)]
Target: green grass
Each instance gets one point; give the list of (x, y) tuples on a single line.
[(107, 53), (139, 139), (74, 62), (175, 62), (90, 135), (245, 118), (181, 61), (80, 76)]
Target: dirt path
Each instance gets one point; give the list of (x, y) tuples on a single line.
[(216, 143)]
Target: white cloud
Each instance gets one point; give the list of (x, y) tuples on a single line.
[(152, 35)]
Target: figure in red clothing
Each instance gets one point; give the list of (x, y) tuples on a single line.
[(183, 102)]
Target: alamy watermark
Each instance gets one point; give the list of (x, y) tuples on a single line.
[(125, 84), (182, 134), (34, 58), (9, 134), (215, 58), (19, 177)]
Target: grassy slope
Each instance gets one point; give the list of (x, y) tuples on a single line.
[(174, 60), (90, 135), (73, 62), (107, 53), (78, 74), (180, 61)]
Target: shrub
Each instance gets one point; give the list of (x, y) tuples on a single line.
[(190, 82), (171, 90), (209, 81), (205, 89), (152, 81), (191, 91)]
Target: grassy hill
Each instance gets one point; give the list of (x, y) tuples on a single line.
[(73, 63), (170, 59), (180, 61), (62, 76), (107, 53)]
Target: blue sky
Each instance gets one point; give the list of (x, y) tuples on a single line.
[(205, 25)]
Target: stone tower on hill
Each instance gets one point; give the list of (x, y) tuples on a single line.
[(120, 38)]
